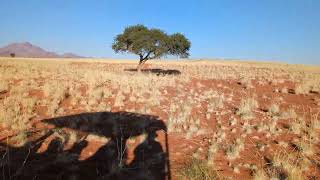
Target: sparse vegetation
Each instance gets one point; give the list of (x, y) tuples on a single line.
[(207, 113), (246, 108), (233, 150), (246, 82), (4, 86), (283, 165), (307, 86), (198, 170)]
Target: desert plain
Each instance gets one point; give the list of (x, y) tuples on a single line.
[(176, 119)]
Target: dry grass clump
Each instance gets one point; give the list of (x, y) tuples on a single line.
[(305, 146), (94, 77), (269, 126), (142, 82), (308, 86), (293, 165), (246, 108), (4, 86), (247, 128), (308, 131), (283, 165), (284, 90), (315, 122), (18, 140), (214, 99), (303, 128), (215, 144), (104, 107), (16, 112), (290, 113), (119, 101), (97, 93), (55, 90), (155, 97), (213, 148), (180, 117), (232, 121), (233, 150), (298, 125), (274, 110), (260, 174), (246, 82), (18, 108), (198, 170)]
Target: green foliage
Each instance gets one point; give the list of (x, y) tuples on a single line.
[(179, 45), (151, 43)]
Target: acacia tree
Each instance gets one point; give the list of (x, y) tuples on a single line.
[(150, 43)]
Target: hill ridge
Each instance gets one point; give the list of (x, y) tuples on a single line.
[(29, 50)]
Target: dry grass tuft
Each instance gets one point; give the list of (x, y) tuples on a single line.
[(246, 108), (246, 82), (198, 170), (308, 86), (4, 86), (233, 150)]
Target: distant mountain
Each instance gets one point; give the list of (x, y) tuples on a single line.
[(70, 55), (29, 50)]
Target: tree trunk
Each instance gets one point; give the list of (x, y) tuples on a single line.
[(141, 63)]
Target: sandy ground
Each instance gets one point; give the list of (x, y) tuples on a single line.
[(243, 120)]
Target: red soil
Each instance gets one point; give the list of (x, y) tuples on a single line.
[(181, 148)]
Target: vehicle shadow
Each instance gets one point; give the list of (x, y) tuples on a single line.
[(157, 71), (151, 160)]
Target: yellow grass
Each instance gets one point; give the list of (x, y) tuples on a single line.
[(104, 84)]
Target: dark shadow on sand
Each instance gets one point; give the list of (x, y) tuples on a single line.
[(151, 160), (157, 71)]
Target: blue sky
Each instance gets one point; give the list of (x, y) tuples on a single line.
[(281, 30)]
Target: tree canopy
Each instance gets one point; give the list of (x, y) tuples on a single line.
[(151, 43)]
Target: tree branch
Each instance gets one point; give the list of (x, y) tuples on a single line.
[(147, 56), (155, 56), (141, 56)]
